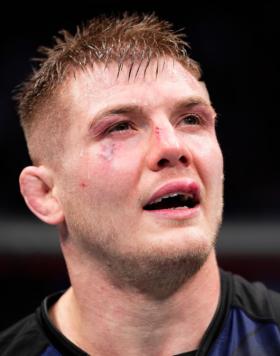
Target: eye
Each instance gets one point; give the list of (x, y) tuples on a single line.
[(192, 119), (120, 126)]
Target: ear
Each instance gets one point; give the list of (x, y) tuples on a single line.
[(36, 186)]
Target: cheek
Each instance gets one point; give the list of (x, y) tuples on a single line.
[(214, 175), (114, 158), (209, 159), (110, 165), (108, 152), (215, 161)]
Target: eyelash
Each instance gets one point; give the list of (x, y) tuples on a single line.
[(199, 119), (118, 124)]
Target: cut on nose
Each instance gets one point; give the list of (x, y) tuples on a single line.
[(167, 149)]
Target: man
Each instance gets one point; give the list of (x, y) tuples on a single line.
[(121, 133)]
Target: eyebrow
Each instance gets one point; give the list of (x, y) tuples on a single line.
[(121, 109), (194, 101)]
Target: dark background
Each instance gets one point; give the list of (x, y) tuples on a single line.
[(237, 48)]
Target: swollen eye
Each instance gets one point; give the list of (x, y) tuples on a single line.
[(122, 126), (192, 119)]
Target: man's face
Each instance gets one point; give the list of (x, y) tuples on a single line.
[(141, 176)]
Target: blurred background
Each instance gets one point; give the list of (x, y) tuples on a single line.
[(238, 51)]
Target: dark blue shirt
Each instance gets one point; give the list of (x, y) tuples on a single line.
[(246, 323)]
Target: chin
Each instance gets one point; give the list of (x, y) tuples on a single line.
[(182, 239), (163, 268)]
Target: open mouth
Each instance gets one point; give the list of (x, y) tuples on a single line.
[(174, 201)]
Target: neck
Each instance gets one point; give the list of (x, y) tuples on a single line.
[(102, 319)]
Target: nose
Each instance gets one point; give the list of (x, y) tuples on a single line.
[(167, 149)]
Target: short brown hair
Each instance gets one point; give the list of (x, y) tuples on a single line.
[(126, 39)]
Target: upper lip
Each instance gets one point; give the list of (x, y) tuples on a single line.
[(180, 187)]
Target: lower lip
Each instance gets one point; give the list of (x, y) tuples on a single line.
[(176, 214)]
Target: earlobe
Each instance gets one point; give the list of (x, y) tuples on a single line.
[(37, 188)]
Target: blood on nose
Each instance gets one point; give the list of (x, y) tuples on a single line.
[(165, 136)]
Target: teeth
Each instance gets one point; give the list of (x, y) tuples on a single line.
[(186, 196)]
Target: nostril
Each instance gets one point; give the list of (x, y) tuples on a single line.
[(183, 159), (163, 162)]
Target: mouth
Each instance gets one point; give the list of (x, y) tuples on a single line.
[(174, 196)]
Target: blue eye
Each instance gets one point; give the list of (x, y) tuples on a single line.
[(192, 119)]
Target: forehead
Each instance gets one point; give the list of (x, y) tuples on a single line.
[(160, 83)]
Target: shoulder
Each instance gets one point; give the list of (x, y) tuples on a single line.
[(255, 299), (17, 339)]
